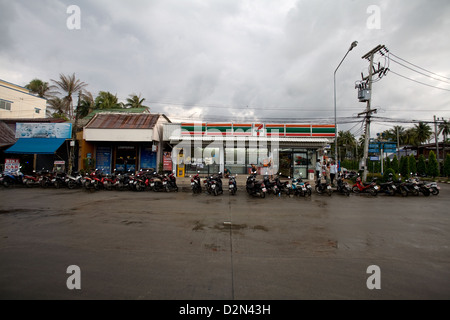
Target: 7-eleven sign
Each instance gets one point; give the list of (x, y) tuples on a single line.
[(258, 129)]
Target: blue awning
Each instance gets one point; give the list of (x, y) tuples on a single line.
[(36, 146)]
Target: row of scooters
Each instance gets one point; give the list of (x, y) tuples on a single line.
[(152, 181), (96, 180), (297, 187)]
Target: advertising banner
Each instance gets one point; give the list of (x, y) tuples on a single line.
[(44, 130), (12, 165), (167, 161)]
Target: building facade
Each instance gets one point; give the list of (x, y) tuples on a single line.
[(288, 149), (17, 102), (122, 142)]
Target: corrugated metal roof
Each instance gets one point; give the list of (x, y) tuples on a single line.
[(7, 135), (123, 121)]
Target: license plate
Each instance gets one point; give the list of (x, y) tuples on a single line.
[(264, 189), (152, 184), (165, 182), (328, 187), (231, 186), (376, 187), (288, 186), (394, 187), (416, 187), (192, 183), (213, 186), (53, 180)]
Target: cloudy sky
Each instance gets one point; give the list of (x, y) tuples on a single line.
[(226, 60)]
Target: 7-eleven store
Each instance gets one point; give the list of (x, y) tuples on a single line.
[(291, 149)]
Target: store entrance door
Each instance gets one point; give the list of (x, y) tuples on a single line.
[(285, 158), (126, 158)]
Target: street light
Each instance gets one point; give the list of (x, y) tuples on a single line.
[(354, 44)]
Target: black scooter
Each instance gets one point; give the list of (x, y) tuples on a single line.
[(255, 187)]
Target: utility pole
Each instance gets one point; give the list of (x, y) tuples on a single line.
[(437, 143), (72, 142), (368, 111)]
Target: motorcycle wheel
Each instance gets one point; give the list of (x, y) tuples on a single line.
[(355, 189), (404, 193), (347, 192), (6, 183), (435, 191), (216, 192), (262, 195), (57, 184), (426, 192), (233, 192), (71, 184), (29, 183), (415, 192), (329, 192), (318, 190), (373, 192)]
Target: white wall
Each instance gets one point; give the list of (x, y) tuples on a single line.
[(23, 104), (118, 134)]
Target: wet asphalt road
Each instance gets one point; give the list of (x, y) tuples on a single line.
[(174, 246)]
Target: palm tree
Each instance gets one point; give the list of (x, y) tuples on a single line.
[(135, 101), (58, 106), (347, 140), (423, 132), (69, 85), (400, 131), (87, 105), (41, 88), (444, 129), (106, 100)]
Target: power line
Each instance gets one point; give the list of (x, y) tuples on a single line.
[(424, 74), (422, 83), (418, 66)]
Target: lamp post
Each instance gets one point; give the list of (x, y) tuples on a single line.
[(354, 44)]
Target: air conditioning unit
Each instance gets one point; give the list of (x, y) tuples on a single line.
[(363, 95)]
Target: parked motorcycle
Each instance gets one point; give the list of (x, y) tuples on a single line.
[(12, 178), (360, 187), (75, 180), (323, 187), (401, 187), (216, 184), (32, 180), (170, 182), (156, 183), (342, 186), (434, 188), (271, 186), (196, 185), (255, 187), (388, 187), (283, 187), (232, 186)]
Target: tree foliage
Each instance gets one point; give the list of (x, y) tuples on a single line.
[(433, 168), (421, 165)]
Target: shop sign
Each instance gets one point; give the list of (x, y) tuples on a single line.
[(12, 165)]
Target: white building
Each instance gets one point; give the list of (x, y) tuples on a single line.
[(17, 102)]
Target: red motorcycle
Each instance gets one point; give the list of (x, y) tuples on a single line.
[(360, 187)]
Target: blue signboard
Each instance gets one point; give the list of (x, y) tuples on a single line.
[(44, 130), (148, 158), (103, 159)]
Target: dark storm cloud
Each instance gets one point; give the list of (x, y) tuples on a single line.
[(228, 59)]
